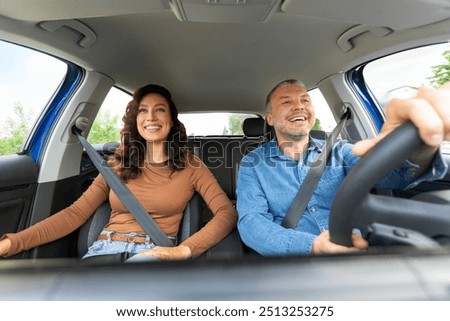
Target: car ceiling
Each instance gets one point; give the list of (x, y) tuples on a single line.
[(229, 65)]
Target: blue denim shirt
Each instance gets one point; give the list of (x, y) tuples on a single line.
[(269, 180)]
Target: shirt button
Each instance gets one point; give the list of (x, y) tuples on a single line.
[(313, 209)]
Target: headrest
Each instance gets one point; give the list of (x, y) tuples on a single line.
[(318, 134), (257, 127), (253, 127)]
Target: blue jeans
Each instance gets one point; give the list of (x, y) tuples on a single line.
[(107, 247)]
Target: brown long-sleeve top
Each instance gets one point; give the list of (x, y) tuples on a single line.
[(164, 196)]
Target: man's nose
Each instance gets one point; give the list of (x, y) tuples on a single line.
[(298, 105)]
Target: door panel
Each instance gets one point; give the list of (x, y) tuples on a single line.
[(18, 177)]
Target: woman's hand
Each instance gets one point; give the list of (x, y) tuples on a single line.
[(322, 244), (180, 252), (5, 245)]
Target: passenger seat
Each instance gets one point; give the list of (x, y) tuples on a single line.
[(89, 232)]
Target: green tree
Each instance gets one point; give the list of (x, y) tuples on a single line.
[(317, 125), (234, 125), (441, 73), (15, 130), (104, 129)]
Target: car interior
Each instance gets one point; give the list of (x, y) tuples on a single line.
[(220, 57)]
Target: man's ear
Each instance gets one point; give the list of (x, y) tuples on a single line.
[(269, 119)]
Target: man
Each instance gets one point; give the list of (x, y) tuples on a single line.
[(270, 176)]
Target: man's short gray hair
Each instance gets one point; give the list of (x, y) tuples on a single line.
[(281, 84)]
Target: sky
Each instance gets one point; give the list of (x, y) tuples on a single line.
[(27, 78), (396, 70)]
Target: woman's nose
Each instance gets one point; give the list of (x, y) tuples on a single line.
[(151, 115)]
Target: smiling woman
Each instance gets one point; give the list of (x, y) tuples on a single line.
[(153, 162)]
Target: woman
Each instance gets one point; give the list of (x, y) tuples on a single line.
[(155, 165)]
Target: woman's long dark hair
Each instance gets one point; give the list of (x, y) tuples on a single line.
[(128, 159)]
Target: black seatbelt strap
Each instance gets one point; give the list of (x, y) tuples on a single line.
[(126, 197), (308, 186)]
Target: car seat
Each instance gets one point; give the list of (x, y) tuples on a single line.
[(89, 232), (258, 127)]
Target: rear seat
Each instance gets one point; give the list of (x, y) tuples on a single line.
[(222, 154)]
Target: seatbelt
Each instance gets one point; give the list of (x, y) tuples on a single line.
[(126, 197), (308, 186)]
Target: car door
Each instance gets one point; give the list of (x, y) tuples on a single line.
[(18, 181), (31, 85)]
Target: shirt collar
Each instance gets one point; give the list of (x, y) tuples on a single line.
[(274, 151)]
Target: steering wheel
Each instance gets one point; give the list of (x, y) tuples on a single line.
[(385, 220)]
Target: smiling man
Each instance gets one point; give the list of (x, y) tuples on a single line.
[(271, 175), (290, 112)]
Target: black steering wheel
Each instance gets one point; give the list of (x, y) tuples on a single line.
[(385, 220)]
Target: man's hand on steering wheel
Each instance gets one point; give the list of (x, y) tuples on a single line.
[(323, 244), (428, 110), (425, 123)]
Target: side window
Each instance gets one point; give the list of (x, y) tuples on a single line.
[(28, 80), (324, 118), (402, 73), (108, 123)]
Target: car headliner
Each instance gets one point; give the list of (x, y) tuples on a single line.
[(229, 65)]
